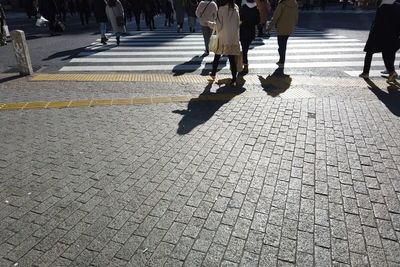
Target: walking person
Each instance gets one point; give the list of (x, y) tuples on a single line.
[(206, 11), (180, 13), (115, 14), (250, 18), (48, 10), (84, 11), (384, 37), (137, 8), (99, 10), (150, 8), (284, 20), (3, 34), (191, 11), (227, 27), (168, 10), (264, 8), (72, 7)]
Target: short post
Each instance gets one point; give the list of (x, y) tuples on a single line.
[(21, 52)]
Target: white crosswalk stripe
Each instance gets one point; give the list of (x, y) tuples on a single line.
[(168, 51)]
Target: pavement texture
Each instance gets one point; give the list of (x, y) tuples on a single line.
[(282, 173)]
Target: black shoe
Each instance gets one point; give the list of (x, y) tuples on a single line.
[(103, 41)]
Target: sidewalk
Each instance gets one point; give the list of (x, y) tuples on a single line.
[(300, 171)]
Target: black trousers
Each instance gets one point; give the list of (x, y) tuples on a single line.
[(137, 19), (367, 62), (389, 57), (282, 44), (232, 63), (245, 47)]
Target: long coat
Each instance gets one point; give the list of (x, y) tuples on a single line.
[(250, 17), (48, 9), (99, 10), (191, 8), (385, 30), (227, 27), (137, 6), (112, 14), (285, 17), (179, 11)]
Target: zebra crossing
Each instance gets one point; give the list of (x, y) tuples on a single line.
[(166, 51)]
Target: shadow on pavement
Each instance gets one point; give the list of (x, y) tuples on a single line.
[(391, 99), (200, 109), (195, 62), (10, 78), (276, 83), (66, 55)]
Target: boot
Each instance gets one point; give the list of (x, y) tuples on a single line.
[(245, 68)]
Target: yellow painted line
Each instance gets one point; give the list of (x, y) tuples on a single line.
[(34, 105), (59, 104), (110, 102)]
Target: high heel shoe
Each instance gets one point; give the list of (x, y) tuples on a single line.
[(392, 77)]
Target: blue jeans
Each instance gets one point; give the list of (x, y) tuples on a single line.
[(103, 29)]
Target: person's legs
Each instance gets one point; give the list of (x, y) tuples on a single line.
[(367, 62), (137, 19), (215, 64), (282, 43), (82, 17), (389, 57), (103, 29), (245, 47), (206, 35), (232, 62), (117, 36)]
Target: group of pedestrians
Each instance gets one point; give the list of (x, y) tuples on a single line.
[(235, 29)]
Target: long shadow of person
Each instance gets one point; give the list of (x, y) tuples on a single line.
[(208, 66), (274, 85), (67, 54), (187, 67), (202, 108), (391, 99)]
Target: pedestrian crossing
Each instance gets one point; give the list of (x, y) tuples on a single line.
[(165, 51)]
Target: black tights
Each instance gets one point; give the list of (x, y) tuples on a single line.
[(282, 44), (245, 47), (232, 62), (367, 62), (389, 58)]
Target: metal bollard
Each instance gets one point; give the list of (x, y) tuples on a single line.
[(21, 52)]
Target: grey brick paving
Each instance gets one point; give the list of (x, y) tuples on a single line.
[(249, 182)]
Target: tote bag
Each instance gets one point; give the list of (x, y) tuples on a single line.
[(213, 44)]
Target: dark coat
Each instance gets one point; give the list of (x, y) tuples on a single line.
[(250, 17), (191, 7), (48, 9), (136, 5), (151, 7), (83, 6), (385, 30), (99, 10)]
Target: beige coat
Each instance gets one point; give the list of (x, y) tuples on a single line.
[(285, 17), (206, 11), (227, 27), (112, 14)]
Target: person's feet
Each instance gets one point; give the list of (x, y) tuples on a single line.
[(280, 64), (392, 77), (364, 75), (211, 75)]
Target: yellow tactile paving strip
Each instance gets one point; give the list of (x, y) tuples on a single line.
[(114, 102), (167, 78)]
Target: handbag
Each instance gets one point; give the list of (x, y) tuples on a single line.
[(213, 44), (239, 62)]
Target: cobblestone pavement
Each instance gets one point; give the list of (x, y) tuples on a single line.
[(253, 181)]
